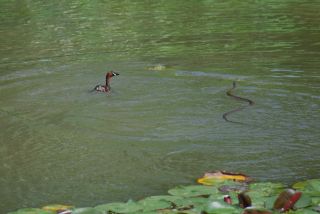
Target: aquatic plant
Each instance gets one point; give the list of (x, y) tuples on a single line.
[(208, 199)]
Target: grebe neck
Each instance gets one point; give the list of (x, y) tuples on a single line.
[(108, 82)]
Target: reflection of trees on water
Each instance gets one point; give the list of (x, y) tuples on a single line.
[(204, 30)]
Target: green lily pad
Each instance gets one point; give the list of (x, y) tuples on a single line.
[(256, 210), (315, 184), (301, 185), (266, 188), (304, 201), (224, 210), (198, 201), (169, 211), (315, 200), (270, 202), (192, 191), (178, 202), (234, 197), (31, 211), (216, 204), (154, 203), (258, 199), (148, 212), (86, 210), (118, 207), (303, 211), (174, 212), (310, 187)]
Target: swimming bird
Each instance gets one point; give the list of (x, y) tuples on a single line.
[(106, 87)]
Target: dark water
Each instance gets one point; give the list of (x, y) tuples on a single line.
[(162, 124)]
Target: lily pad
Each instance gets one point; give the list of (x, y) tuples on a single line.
[(255, 210), (198, 201), (174, 212), (269, 202), (119, 207), (303, 211), (177, 202), (303, 202), (258, 198), (223, 210), (234, 197), (315, 200), (56, 207), (214, 178), (86, 210), (154, 203), (310, 187), (32, 211), (192, 191), (266, 188)]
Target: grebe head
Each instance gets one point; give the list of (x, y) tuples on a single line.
[(111, 74)]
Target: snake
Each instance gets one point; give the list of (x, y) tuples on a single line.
[(230, 94)]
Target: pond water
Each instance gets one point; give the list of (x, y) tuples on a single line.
[(162, 124)]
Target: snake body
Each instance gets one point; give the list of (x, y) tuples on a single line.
[(229, 93)]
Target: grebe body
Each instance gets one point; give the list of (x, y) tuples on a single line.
[(106, 87)]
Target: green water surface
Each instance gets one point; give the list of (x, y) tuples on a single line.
[(162, 124)]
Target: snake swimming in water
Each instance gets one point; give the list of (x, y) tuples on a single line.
[(229, 93)]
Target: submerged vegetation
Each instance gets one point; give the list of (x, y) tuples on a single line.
[(221, 193)]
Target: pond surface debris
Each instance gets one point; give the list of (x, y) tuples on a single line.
[(219, 192)]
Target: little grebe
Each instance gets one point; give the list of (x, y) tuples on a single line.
[(106, 87)]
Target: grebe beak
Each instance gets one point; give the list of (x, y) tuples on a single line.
[(115, 74)]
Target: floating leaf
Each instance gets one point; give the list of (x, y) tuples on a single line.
[(258, 198), (255, 210), (269, 202), (173, 212), (266, 189), (154, 203), (57, 207), (86, 210), (118, 207), (198, 201), (315, 200), (304, 201), (234, 197), (301, 185), (315, 184), (32, 211), (222, 210), (177, 202), (205, 199), (302, 211), (310, 187), (192, 191), (213, 178)]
